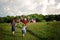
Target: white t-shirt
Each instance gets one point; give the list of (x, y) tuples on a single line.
[(23, 28)]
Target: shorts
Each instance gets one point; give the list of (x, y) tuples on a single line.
[(23, 31), (13, 28)]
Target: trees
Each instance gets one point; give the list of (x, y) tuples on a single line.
[(57, 17), (49, 17), (37, 17)]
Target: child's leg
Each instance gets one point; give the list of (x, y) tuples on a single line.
[(23, 33), (13, 30), (12, 33)]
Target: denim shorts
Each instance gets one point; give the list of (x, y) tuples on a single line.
[(23, 31)]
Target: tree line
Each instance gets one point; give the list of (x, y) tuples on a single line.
[(37, 17)]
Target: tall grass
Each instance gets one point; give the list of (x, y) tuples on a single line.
[(35, 31)]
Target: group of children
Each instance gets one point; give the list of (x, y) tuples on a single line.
[(23, 26)]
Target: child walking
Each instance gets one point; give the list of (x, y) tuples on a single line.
[(13, 26), (23, 30)]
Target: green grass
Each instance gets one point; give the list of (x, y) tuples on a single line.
[(35, 31)]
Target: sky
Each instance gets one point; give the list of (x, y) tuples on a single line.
[(26, 7)]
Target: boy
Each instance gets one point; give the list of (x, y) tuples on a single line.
[(25, 21), (23, 30)]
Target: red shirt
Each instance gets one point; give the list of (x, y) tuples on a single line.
[(25, 22)]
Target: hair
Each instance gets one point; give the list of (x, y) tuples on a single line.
[(13, 20)]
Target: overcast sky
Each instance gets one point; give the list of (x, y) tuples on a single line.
[(25, 7)]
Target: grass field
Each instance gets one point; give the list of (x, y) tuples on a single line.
[(35, 31)]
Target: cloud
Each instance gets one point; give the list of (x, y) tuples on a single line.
[(20, 7), (58, 6)]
